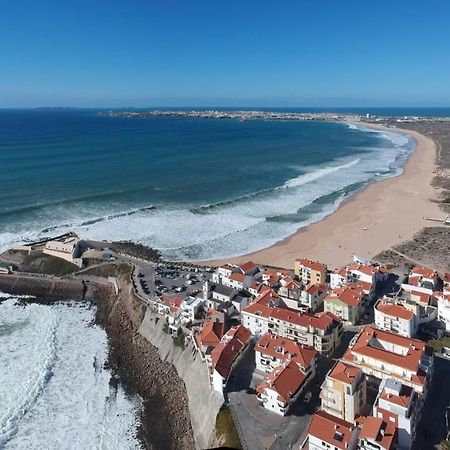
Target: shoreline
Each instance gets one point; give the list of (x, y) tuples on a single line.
[(384, 213), (133, 361)]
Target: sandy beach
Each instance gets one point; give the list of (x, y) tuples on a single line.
[(384, 214)]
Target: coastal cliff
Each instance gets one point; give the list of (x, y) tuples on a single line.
[(204, 403), (164, 421)]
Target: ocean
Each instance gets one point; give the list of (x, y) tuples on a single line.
[(192, 188), (55, 392)]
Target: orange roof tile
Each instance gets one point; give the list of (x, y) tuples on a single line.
[(331, 429), (285, 380), (248, 267), (227, 350), (344, 372), (314, 265), (236, 276), (316, 288), (212, 333), (350, 294), (412, 349), (268, 344), (423, 271), (376, 429), (394, 310)]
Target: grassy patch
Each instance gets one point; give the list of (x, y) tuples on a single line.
[(225, 429), (47, 264), (179, 340), (438, 343), (124, 269)]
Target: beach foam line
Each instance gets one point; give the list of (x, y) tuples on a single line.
[(301, 180), (317, 174)]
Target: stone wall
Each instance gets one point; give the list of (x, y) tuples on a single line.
[(204, 403)]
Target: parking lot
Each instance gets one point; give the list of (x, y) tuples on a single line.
[(165, 279)]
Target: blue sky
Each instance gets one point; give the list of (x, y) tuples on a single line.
[(190, 52)]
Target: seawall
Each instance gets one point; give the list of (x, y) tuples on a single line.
[(204, 403), (165, 421), (46, 288)]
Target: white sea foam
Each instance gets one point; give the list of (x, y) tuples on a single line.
[(241, 225), (318, 173), (54, 390)]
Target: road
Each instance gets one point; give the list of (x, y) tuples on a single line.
[(263, 429)]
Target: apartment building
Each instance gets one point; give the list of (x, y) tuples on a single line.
[(344, 393), (382, 355), (310, 271)]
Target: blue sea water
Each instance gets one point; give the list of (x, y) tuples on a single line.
[(193, 188)]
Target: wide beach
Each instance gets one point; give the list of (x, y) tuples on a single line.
[(383, 214)]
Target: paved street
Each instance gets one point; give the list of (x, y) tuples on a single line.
[(264, 429)]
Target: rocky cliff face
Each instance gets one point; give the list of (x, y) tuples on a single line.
[(204, 404), (164, 421)]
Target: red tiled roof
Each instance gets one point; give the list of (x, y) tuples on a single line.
[(321, 321), (228, 348), (316, 288), (212, 333), (376, 429), (422, 271), (248, 267), (403, 399), (171, 300), (331, 429), (350, 294), (365, 269), (285, 380), (267, 297), (268, 344), (228, 267), (344, 372), (236, 276), (394, 310), (413, 349), (314, 265)]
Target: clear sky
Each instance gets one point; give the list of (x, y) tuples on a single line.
[(224, 52)]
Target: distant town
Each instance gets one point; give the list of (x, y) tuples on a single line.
[(272, 115), (325, 358)]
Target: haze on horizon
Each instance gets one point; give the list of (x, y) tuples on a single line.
[(95, 53)]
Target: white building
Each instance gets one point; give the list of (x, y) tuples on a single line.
[(321, 331), (238, 281), (282, 387), (190, 307), (327, 432), (226, 355), (395, 317), (313, 296), (401, 406), (444, 310), (272, 351), (387, 355), (221, 274)]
